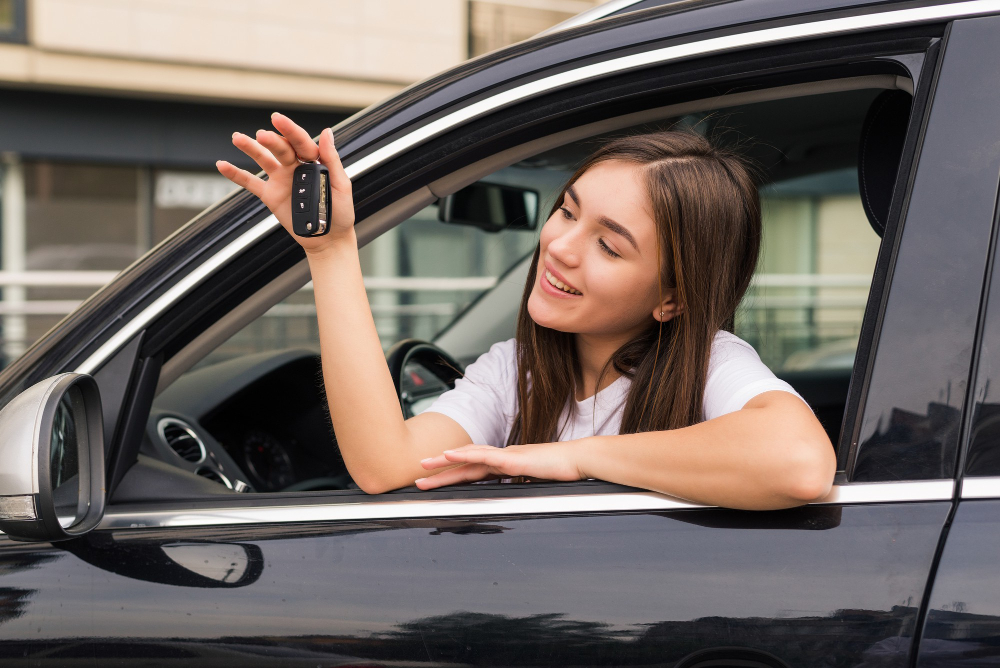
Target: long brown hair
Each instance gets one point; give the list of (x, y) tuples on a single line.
[(707, 211)]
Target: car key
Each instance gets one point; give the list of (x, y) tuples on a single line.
[(310, 200)]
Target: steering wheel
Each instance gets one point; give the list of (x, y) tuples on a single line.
[(430, 357), (405, 352)]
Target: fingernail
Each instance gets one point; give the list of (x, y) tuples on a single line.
[(261, 130), (234, 134), (425, 459), (273, 114), (419, 480)]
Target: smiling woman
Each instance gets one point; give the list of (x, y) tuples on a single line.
[(629, 306)]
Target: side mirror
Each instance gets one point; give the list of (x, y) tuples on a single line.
[(52, 460), (491, 207)]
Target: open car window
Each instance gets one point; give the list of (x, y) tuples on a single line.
[(254, 403)]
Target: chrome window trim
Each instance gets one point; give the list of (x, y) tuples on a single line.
[(667, 54), (167, 299), (421, 134), (353, 510), (987, 487)]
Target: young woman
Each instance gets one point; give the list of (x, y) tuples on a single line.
[(623, 368)]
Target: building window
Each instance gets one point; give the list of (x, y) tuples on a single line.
[(13, 21)]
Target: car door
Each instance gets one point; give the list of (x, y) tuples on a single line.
[(962, 623), (584, 573)]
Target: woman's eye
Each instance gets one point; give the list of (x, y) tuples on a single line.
[(566, 213), (606, 249)]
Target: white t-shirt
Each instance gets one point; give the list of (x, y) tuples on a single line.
[(484, 402)]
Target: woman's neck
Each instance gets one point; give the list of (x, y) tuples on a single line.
[(593, 352)]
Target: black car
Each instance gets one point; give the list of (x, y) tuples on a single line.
[(165, 503)]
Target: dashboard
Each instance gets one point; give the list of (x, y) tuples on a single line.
[(257, 423)]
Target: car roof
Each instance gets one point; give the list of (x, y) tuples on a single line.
[(627, 26)]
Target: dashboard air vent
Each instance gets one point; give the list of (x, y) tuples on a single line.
[(214, 476), (182, 439)]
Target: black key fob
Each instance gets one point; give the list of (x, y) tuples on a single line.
[(311, 200)]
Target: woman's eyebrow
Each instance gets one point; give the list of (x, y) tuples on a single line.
[(605, 221), (617, 229), (572, 195)]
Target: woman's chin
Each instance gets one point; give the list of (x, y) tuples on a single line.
[(544, 314)]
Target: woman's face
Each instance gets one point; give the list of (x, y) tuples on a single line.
[(601, 245)]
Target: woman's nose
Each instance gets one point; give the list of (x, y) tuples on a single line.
[(565, 248)]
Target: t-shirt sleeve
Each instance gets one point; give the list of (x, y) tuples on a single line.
[(484, 398), (735, 376)]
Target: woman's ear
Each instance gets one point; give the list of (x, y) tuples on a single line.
[(668, 308)]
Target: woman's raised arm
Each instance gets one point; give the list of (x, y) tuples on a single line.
[(380, 449)]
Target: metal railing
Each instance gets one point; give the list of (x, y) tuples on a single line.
[(779, 306)]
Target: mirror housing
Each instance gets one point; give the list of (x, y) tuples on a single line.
[(492, 207), (52, 460)]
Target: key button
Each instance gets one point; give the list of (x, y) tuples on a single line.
[(300, 205)]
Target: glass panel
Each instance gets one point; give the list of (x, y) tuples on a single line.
[(180, 196), (917, 388), (78, 218), (64, 458), (6, 15)]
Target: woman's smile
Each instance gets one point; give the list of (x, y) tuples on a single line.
[(553, 284)]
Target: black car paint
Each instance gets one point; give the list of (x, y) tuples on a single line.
[(913, 413), (821, 585), (619, 589)]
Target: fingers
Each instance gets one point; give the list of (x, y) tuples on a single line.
[(258, 153), (299, 139), (455, 476), (278, 146), (438, 461), (498, 458), (328, 156), (241, 177)]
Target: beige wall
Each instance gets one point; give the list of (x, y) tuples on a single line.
[(382, 40), (330, 54)]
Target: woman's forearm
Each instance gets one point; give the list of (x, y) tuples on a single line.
[(772, 454), (362, 399), (380, 449)]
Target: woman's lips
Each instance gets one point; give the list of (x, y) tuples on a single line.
[(560, 278), (551, 289)]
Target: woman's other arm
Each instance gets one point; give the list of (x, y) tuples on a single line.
[(380, 449), (771, 454)]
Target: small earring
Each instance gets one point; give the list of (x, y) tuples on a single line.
[(661, 314)]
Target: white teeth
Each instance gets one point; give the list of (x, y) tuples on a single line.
[(559, 284)]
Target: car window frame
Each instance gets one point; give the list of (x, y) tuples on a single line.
[(968, 43), (644, 499)]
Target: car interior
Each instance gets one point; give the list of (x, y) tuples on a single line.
[(255, 420)]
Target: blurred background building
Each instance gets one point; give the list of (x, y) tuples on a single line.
[(113, 113)]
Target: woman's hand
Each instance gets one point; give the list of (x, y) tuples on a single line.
[(548, 461), (278, 155)]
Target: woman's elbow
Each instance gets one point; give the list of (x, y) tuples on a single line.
[(810, 472)]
